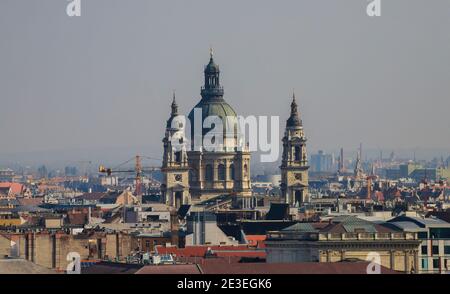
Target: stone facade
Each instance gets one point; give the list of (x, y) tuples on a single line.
[(51, 250), (397, 251)]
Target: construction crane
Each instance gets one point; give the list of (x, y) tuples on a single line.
[(138, 170)]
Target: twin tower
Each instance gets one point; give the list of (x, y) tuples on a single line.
[(199, 174)]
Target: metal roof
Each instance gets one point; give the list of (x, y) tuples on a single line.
[(301, 227)]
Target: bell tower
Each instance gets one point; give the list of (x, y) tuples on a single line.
[(175, 168), (294, 165)]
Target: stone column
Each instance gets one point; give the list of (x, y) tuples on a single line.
[(416, 261), (392, 259), (407, 269), (215, 166), (227, 172)]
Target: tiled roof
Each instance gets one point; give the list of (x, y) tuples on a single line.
[(200, 251), (14, 188), (289, 268), (301, 227), (350, 224), (180, 269), (111, 268)]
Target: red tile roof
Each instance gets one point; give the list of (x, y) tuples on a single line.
[(220, 251), (256, 240), (14, 188), (184, 269), (289, 268)]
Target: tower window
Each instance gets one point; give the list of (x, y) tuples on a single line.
[(297, 153), (245, 171), (232, 172), (209, 173), (178, 156), (222, 172)]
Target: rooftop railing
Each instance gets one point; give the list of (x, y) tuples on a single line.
[(310, 236)]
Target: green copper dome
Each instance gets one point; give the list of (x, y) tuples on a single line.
[(213, 108)]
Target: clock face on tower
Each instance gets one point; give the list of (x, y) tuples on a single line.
[(178, 177), (298, 177)]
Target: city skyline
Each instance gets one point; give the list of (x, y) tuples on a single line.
[(210, 137)]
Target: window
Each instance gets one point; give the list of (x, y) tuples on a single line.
[(424, 263), (440, 233), (435, 250), (446, 249), (222, 172), (245, 171), (209, 173), (178, 156), (147, 244), (232, 172), (436, 263), (422, 235), (424, 250), (297, 153)]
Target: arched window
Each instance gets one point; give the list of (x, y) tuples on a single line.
[(245, 171), (178, 157), (232, 172), (297, 153), (209, 173), (222, 172)]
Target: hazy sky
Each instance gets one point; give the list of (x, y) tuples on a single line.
[(104, 80)]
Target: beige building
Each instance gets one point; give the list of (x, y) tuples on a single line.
[(51, 250), (344, 241)]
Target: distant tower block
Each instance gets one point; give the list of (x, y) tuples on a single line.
[(294, 166), (341, 162), (175, 169)]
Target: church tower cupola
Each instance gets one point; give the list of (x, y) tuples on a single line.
[(212, 88), (294, 120)]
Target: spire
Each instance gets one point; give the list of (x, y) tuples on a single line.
[(294, 120), (294, 110), (174, 105), (211, 52)]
